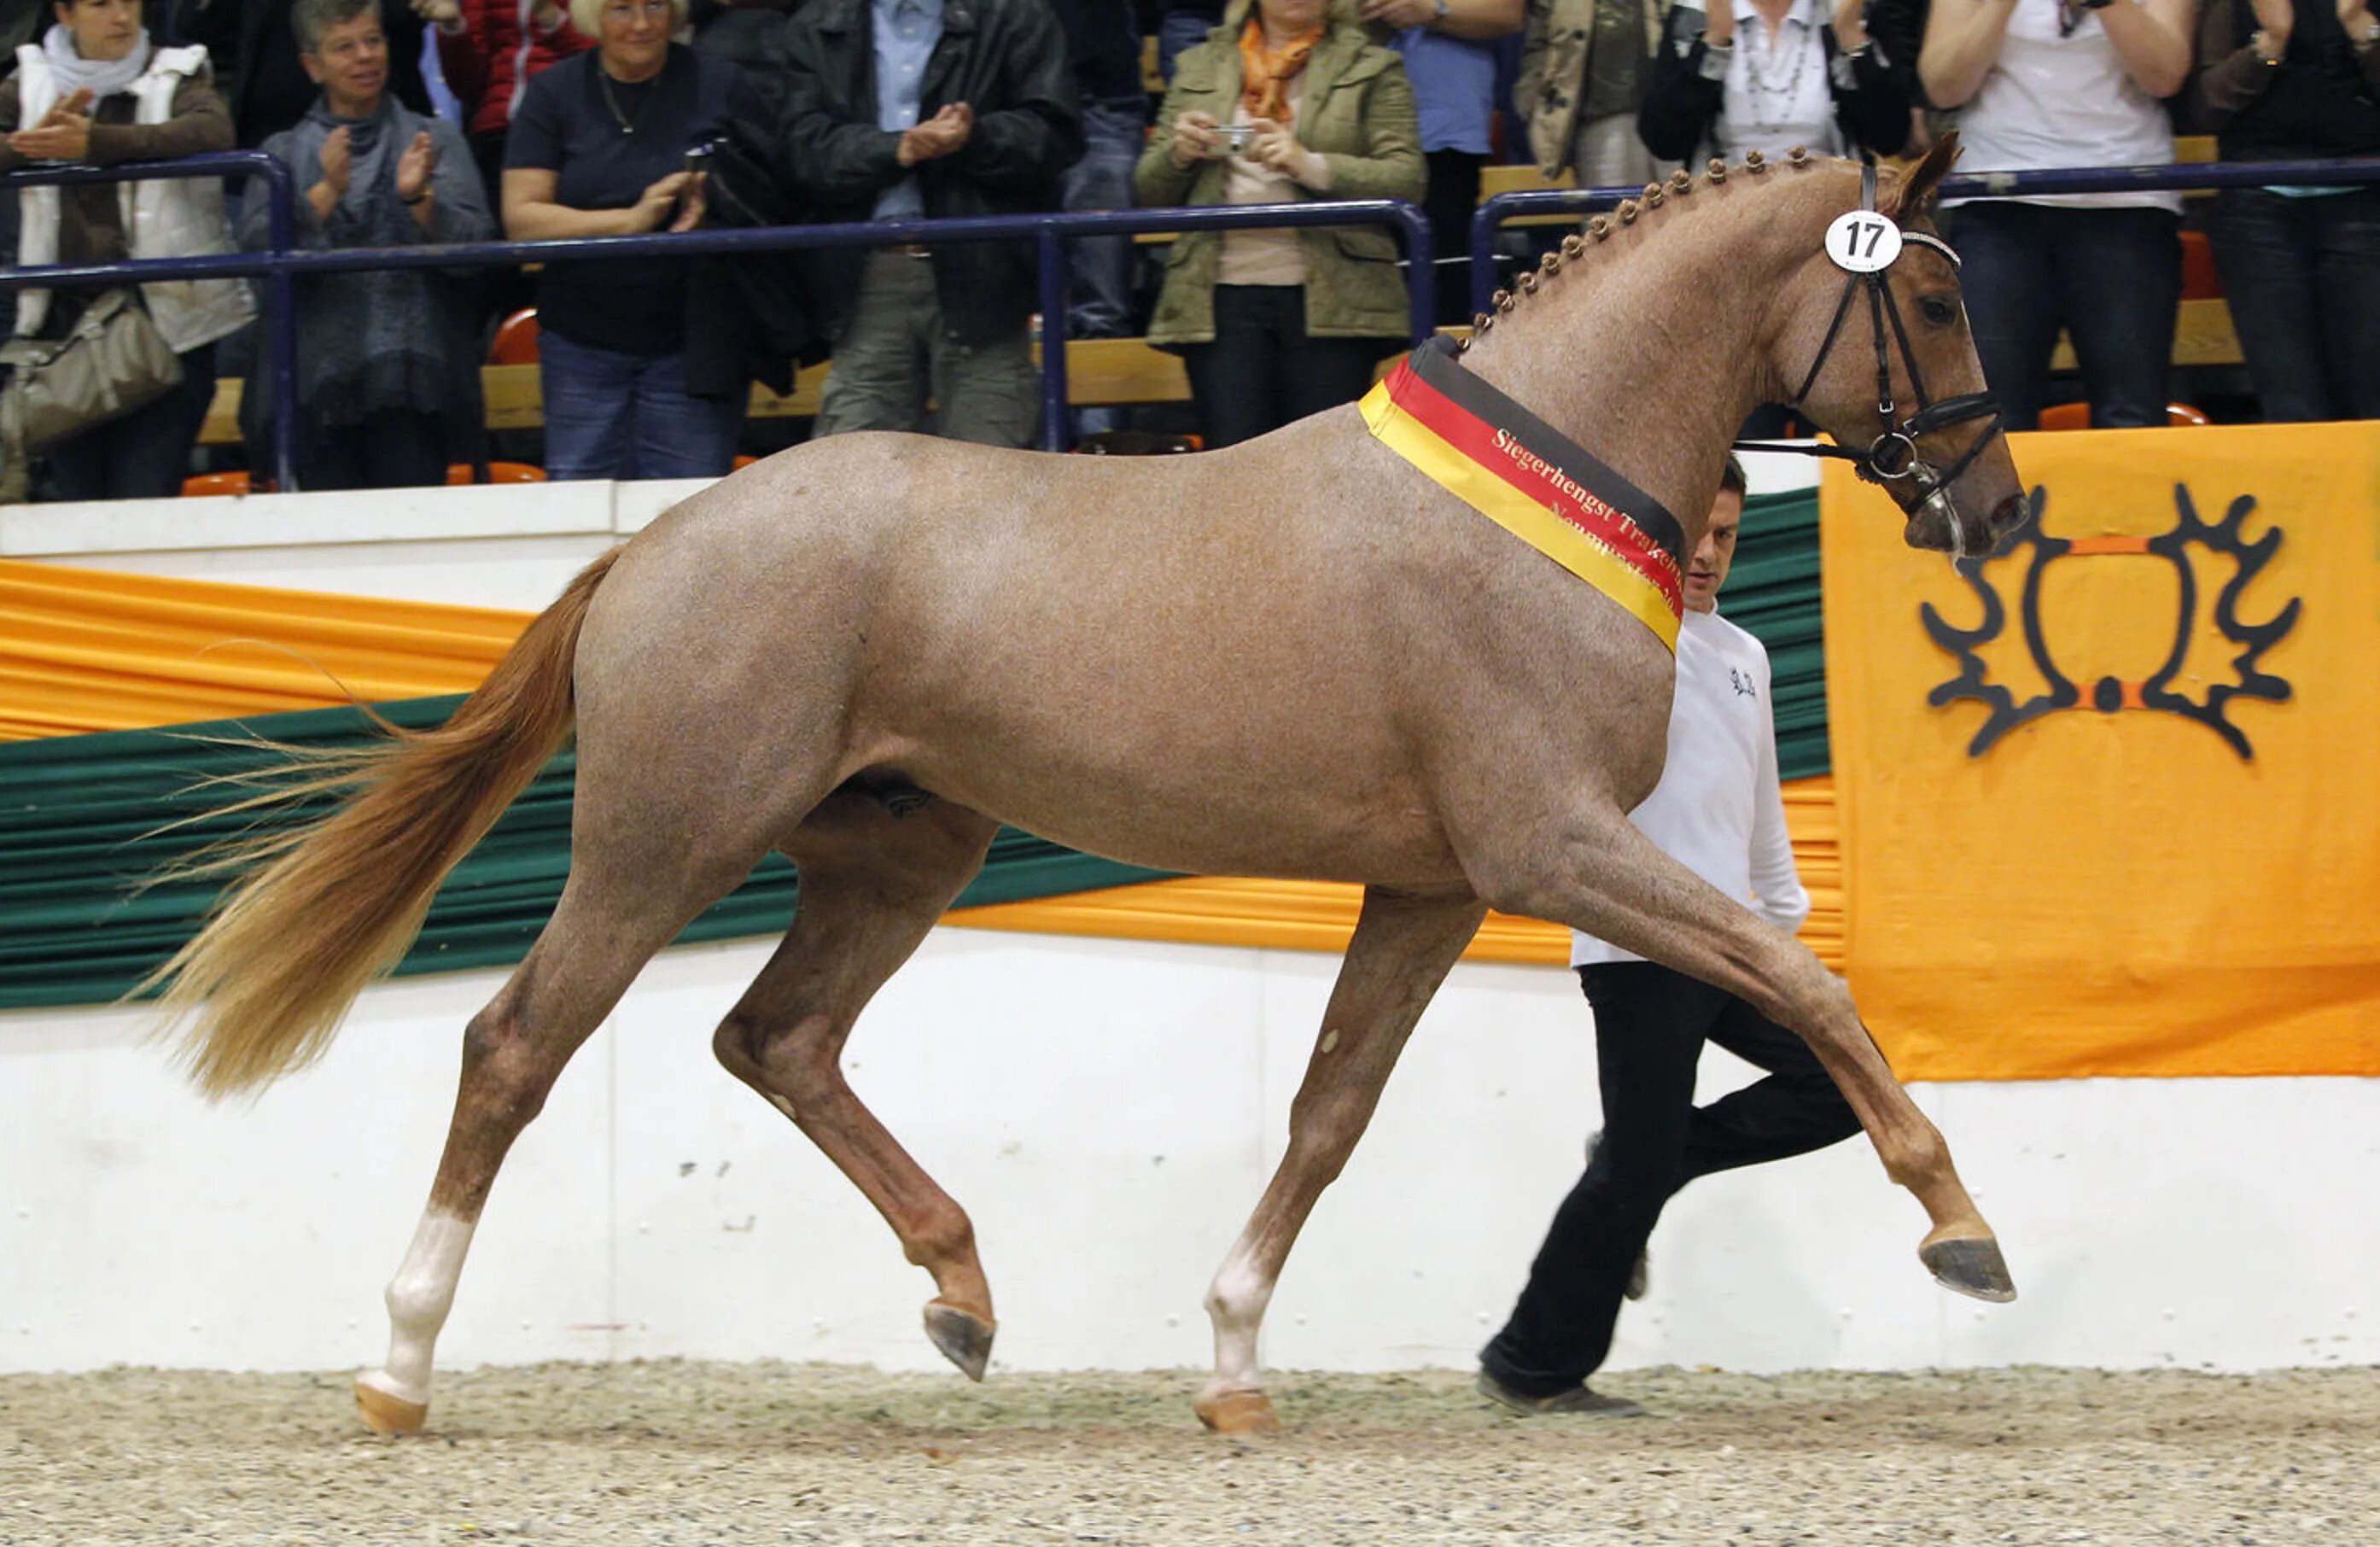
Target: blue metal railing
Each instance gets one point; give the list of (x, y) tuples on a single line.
[(279, 263), (1493, 212)]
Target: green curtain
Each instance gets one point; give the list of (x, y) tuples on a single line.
[(79, 820), (85, 818), (1773, 591)]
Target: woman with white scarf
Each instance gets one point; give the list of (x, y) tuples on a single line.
[(95, 91)]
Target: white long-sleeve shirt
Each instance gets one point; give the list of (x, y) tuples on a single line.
[(1718, 807)]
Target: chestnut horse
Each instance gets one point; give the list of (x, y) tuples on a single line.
[(1297, 657)]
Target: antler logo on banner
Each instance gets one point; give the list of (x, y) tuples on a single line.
[(2108, 695)]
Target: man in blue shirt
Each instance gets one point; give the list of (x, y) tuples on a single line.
[(902, 109), (1448, 58)]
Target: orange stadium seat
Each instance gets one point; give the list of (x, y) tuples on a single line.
[(498, 472), (515, 340), (2200, 279), (2077, 416), (200, 485)]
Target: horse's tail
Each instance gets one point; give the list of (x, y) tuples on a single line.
[(329, 907)]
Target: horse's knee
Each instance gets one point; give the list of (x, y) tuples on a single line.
[(505, 1074)]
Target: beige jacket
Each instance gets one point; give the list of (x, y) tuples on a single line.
[(1552, 80), (1358, 111)]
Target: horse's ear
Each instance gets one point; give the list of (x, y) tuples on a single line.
[(1915, 190)]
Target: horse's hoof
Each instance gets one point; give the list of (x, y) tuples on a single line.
[(1971, 1265), (1239, 1412), (964, 1338), (385, 1413)]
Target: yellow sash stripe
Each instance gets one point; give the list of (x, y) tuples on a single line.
[(1485, 492)]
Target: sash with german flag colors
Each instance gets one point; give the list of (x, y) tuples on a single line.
[(1521, 473)]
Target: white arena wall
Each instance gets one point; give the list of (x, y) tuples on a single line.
[(1108, 1111)]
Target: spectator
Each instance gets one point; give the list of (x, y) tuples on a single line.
[(600, 149), (96, 91), (1451, 64), (1275, 326), (491, 50), (388, 376), (903, 108), (2048, 83), (1583, 64), (1182, 25), (749, 34), (267, 87), (2301, 266), (1796, 78), (1103, 40)]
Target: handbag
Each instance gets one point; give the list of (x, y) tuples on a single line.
[(112, 361)]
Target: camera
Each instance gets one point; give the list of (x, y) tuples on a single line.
[(1236, 137)]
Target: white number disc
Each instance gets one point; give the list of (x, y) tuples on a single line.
[(1862, 242)]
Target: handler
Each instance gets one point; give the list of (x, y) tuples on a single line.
[(1718, 810)]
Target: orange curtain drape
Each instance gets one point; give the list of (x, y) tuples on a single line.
[(87, 649)]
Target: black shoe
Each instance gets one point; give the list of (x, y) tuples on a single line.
[(1579, 1401)]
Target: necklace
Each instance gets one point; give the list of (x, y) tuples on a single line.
[(1769, 95), (603, 78)]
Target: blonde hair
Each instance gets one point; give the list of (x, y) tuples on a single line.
[(587, 16)]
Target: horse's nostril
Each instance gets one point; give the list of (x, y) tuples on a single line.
[(2008, 515)]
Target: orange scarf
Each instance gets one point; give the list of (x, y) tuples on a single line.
[(1265, 75)]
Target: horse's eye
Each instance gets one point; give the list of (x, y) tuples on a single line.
[(1938, 309)]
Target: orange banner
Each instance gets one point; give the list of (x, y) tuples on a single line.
[(2108, 805)]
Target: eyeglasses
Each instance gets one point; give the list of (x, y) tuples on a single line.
[(637, 10)]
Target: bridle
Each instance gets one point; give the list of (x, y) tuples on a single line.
[(1892, 456)]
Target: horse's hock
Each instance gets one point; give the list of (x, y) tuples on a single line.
[(691, 1453)]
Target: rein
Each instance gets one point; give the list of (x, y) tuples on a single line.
[(1892, 456)]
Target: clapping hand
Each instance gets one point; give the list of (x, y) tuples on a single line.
[(2277, 17), (1851, 24), (64, 133), (1398, 14), (338, 161), (1276, 148), (654, 205), (414, 167), (694, 200), (938, 136), (439, 13)]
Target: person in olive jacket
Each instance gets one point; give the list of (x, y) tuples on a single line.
[(928, 108), (1274, 325)]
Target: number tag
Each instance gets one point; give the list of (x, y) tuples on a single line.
[(1862, 242)]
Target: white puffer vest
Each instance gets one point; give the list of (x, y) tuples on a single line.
[(178, 217)]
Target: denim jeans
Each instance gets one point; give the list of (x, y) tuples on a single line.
[(1098, 269), (2110, 278), (2302, 276), (144, 455), (614, 415), (1175, 31)]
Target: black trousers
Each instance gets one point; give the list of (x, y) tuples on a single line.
[(1262, 372), (1650, 1024), (1451, 200), (394, 449)]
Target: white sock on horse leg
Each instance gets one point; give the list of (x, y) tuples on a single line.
[(1236, 1304), (418, 1297)]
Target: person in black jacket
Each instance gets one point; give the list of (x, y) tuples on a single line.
[(934, 108), (1768, 75), (2278, 81)]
